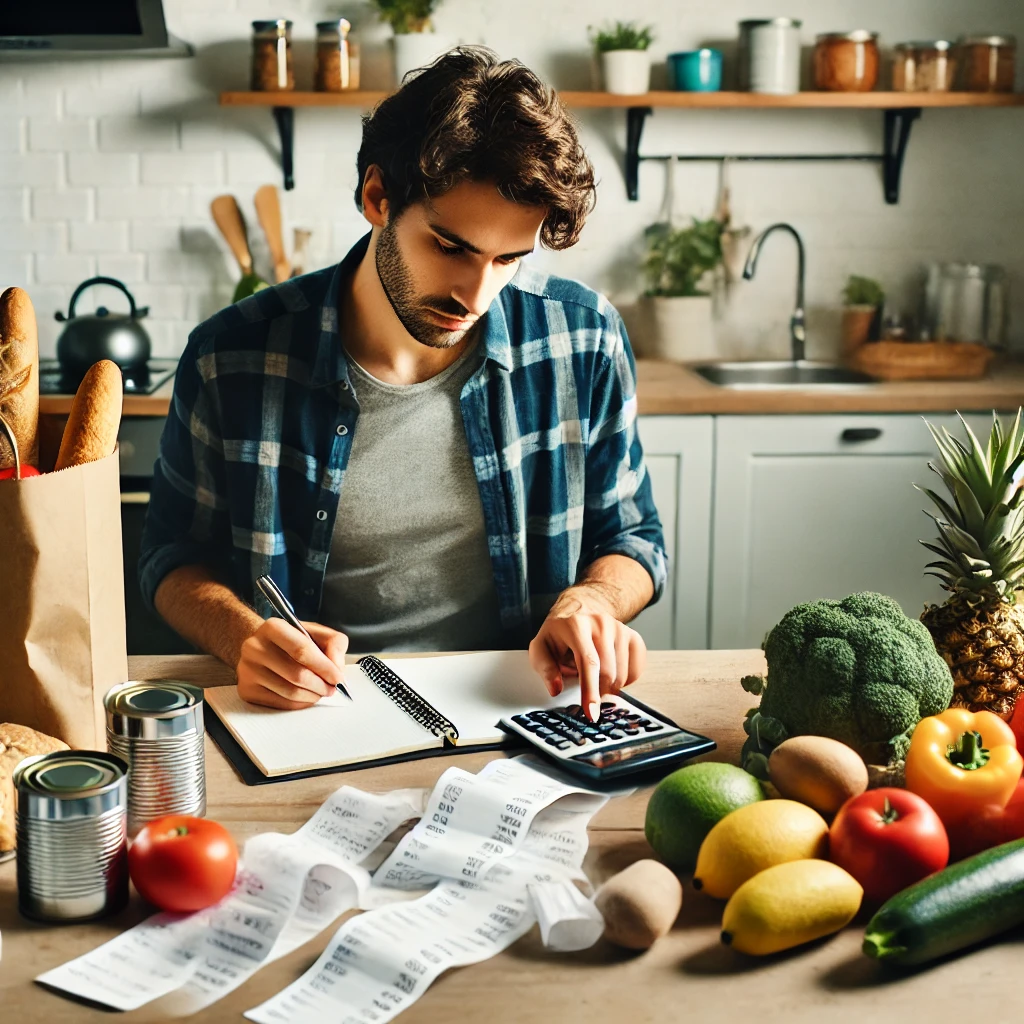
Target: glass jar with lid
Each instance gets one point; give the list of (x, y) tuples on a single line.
[(272, 56), (988, 63), (924, 66), (846, 61), (337, 57)]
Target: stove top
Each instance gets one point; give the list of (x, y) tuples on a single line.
[(53, 382)]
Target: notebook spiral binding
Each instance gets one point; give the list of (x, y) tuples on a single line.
[(398, 691)]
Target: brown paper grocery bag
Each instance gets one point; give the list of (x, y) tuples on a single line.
[(62, 625)]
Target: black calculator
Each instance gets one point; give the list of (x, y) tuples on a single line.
[(627, 738)]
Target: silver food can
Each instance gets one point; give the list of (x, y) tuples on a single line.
[(71, 835), (769, 56), (157, 727)]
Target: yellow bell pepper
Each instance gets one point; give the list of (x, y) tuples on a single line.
[(961, 761)]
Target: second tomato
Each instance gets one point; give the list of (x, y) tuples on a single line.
[(888, 839)]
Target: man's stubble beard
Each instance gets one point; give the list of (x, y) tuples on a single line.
[(396, 281)]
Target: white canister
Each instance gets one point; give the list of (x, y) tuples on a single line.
[(769, 56), (626, 72)]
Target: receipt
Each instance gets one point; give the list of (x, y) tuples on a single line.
[(290, 888), (483, 841)]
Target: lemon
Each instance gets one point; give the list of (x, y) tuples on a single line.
[(686, 805), (756, 837), (790, 904)]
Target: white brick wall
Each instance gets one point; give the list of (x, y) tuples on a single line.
[(108, 167)]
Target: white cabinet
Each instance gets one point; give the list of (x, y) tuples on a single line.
[(678, 454), (815, 506)]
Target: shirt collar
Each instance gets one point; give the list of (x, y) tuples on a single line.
[(329, 364)]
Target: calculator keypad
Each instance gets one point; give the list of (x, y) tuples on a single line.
[(567, 729)]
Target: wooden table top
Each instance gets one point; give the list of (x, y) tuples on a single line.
[(674, 389), (688, 976)]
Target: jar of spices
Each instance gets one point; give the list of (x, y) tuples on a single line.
[(337, 57), (769, 56), (846, 61), (988, 63), (272, 56), (924, 67)]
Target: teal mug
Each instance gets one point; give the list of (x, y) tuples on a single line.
[(696, 70)]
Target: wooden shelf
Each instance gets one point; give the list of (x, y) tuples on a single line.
[(695, 100), (899, 110)]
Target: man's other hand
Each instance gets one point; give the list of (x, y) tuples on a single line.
[(280, 668), (581, 637)]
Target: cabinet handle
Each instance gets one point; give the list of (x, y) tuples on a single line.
[(861, 433)]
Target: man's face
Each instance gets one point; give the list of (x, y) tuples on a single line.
[(444, 260)]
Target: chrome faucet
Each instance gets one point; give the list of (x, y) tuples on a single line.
[(797, 322)]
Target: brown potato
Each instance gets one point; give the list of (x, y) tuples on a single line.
[(639, 904), (820, 772)]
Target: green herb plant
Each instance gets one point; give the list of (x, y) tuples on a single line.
[(624, 35), (406, 16), (863, 291), (678, 258)]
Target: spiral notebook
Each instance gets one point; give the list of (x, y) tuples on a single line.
[(400, 708)]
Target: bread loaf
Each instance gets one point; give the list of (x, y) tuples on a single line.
[(19, 376), (91, 431), (16, 743)]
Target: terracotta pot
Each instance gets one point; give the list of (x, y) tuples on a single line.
[(857, 322)]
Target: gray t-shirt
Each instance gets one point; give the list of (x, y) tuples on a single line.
[(409, 567)]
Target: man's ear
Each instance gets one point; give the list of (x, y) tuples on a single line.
[(375, 203)]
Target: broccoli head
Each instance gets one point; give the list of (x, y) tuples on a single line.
[(856, 670)]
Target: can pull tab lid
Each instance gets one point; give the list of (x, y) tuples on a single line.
[(70, 777), (157, 700)]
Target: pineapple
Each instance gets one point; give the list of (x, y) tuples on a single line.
[(979, 630)]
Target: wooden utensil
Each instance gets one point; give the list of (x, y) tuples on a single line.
[(268, 210), (228, 217)]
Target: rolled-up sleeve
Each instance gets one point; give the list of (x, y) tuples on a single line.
[(619, 516), (187, 522)]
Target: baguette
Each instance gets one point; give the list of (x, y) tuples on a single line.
[(91, 431), (19, 377)]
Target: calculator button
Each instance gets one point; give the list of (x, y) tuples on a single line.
[(598, 738), (557, 743), (630, 730), (653, 727), (607, 705), (613, 734), (543, 731), (525, 722), (633, 718), (577, 737)]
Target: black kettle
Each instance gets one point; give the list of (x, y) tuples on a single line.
[(103, 335)]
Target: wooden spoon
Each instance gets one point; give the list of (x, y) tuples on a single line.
[(268, 209), (228, 217)]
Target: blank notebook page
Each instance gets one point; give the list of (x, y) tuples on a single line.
[(324, 735), (475, 690)]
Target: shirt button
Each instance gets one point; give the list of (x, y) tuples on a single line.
[(344, 385), (321, 515), (341, 430)]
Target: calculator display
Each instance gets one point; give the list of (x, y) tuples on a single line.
[(604, 758)]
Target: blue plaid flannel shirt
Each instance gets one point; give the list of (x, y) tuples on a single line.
[(252, 458)]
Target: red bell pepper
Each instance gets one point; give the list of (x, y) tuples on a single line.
[(990, 826)]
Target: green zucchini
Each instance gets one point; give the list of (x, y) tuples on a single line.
[(968, 902)]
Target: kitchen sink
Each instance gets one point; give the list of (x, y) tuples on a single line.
[(782, 374)]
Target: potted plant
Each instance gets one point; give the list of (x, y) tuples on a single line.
[(416, 44), (678, 302), (862, 309), (625, 63)]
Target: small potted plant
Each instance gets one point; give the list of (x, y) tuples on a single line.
[(416, 44), (862, 309), (625, 62), (678, 298)]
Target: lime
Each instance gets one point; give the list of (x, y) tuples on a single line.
[(687, 804)]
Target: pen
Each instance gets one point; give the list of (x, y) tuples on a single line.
[(273, 593)]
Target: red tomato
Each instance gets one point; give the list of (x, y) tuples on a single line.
[(990, 826), (8, 474), (182, 863), (888, 839)]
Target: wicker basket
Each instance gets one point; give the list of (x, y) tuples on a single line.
[(922, 360)]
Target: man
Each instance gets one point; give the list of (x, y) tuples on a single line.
[(428, 446)]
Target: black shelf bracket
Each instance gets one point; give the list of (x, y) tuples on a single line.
[(896, 134), (635, 118), (285, 118)]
